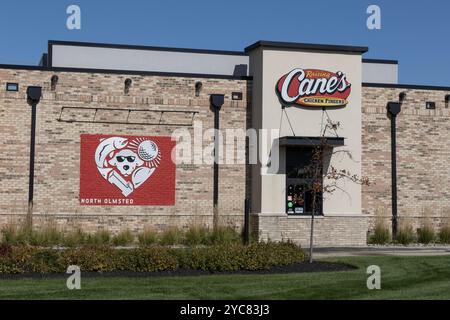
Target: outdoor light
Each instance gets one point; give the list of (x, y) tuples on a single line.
[(198, 88), (217, 101), (236, 95), (34, 95), (128, 83), (394, 108), (54, 82), (12, 87), (430, 105), (402, 97), (447, 99)]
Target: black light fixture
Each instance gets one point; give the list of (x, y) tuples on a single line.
[(14, 87), (217, 101), (430, 105), (33, 98), (54, 82), (447, 100), (236, 95), (393, 109), (402, 96), (198, 88), (128, 83), (34, 95)]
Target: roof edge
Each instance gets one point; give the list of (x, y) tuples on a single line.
[(381, 61), (405, 86), (124, 72), (141, 47), (306, 46)]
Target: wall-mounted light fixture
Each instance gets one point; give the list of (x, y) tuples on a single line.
[(34, 95), (447, 100), (12, 87), (128, 83), (402, 96), (217, 101), (393, 109), (54, 82), (430, 105), (198, 88), (236, 96)]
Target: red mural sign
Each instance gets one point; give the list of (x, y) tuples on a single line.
[(314, 88), (126, 170)]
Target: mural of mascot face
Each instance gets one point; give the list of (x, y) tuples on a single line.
[(127, 164), (126, 161)]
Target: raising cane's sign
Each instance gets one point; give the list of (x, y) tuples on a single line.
[(314, 88)]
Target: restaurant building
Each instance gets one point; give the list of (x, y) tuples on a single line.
[(88, 139)]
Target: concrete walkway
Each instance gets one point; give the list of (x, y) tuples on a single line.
[(381, 251)]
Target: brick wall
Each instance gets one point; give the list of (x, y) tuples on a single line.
[(423, 155), (58, 145), (329, 231)]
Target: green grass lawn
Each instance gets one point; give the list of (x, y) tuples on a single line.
[(401, 278)]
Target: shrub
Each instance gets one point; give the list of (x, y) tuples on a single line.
[(10, 234), (405, 234), (149, 259), (123, 238), (225, 235), (444, 234), (47, 236), (147, 237), (230, 257), (74, 238), (235, 256), (426, 234), (171, 236), (197, 236), (381, 234), (101, 237)]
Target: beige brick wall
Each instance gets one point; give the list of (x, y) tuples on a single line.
[(423, 155), (329, 231), (58, 145)]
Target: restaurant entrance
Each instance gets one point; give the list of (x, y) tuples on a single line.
[(299, 182)]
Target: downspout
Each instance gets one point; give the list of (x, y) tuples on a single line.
[(33, 97), (217, 101), (394, 109)]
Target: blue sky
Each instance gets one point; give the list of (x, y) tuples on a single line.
[(417, 33)]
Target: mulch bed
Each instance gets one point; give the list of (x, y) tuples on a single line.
[(303, 267)]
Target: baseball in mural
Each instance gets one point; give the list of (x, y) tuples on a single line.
[(129, 170)]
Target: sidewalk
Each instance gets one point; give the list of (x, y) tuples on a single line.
[(381, 251)]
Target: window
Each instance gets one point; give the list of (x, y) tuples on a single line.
[(299, 182)]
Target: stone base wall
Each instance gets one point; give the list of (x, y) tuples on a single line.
[(329, 231)]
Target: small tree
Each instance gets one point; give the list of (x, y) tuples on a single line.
[(316, 173)]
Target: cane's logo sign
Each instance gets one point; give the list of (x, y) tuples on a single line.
[(126, 170), (314, 88)]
